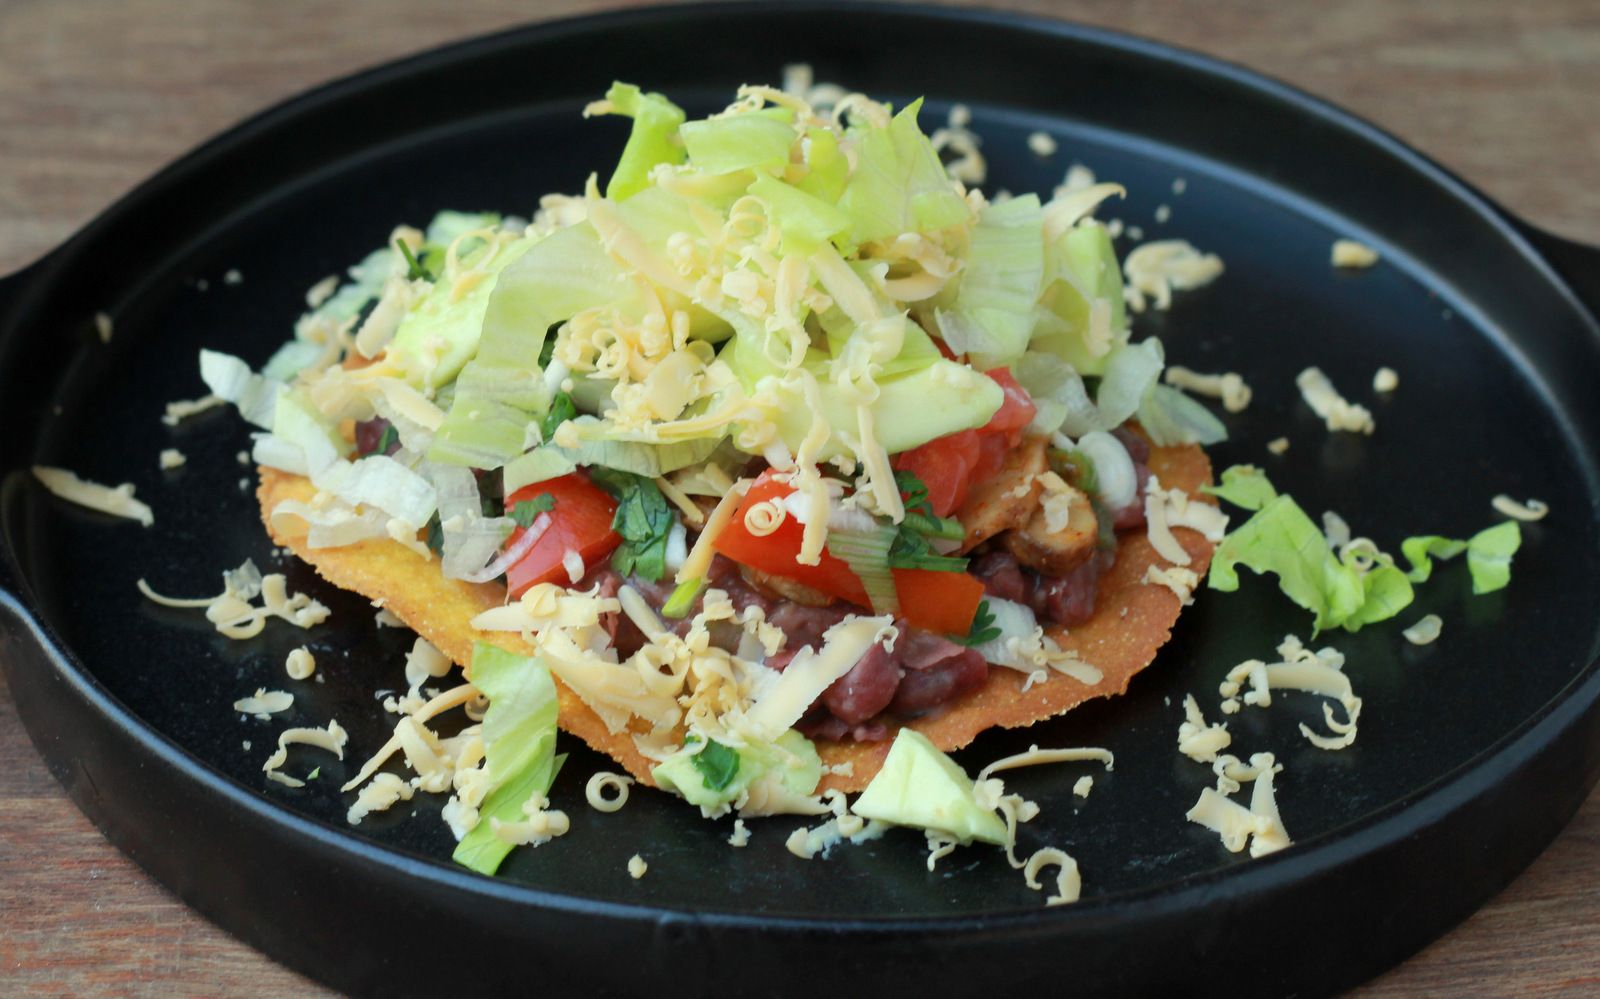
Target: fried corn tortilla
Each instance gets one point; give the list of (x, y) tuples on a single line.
[(1132, 620)]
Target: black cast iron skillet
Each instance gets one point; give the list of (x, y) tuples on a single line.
[(1473, 752)]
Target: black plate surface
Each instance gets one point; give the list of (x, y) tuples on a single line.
[(1472, 752)]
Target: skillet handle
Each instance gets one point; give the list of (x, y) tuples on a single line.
[(1578, 263)]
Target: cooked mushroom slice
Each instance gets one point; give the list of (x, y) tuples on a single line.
[(787, 589), (1006, 500), (1059, 551)]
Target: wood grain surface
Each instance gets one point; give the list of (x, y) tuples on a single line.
[(96, 96)]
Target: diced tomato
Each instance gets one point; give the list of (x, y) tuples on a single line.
[(775, 553), (949, 465), (945, 465), (944, 602), (580, 521), (1016, 410)]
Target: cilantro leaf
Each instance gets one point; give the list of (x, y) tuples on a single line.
[(983, 628), (435, 535), (718, 765), (561, 410), (643, 518), (913, 492), (527, 511), (911, 550), (388, 439)]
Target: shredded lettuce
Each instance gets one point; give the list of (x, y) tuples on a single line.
[(519, 739), (737, 142), (230, 378), (1247, 487), (805, 220), (898, 184), (1280, 539), (1169, 417), (651, 142), (993, 313), (1488, 555)]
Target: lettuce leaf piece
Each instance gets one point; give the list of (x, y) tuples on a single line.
[(651, 142), (1130, 372), (827, 170), (1000, 285), (805, 220), (439, 334), (519, 736), (1245, 486), (501, 390), (1280, 539), (1169, 417), (1422, 550), (898, 184), (1081, 270), (1489, 556), (737, 142)]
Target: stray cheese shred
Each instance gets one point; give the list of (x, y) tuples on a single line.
[(1157, 269), (1425, 631), (1336, 412), (1349, 253), (115, 500), (264, 703), (1229, 386), (607, 792), (332, 739), (300, 664), (1532, 510), (1301, 669)]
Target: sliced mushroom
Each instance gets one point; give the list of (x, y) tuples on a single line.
[(786, 589), (1059, 536), (1006, 500)]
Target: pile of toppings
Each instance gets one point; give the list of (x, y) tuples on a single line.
[(779, 429), (783, 433)]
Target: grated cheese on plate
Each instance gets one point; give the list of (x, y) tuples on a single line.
[(117, 501)]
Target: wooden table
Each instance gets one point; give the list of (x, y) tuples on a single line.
[(94, 97)]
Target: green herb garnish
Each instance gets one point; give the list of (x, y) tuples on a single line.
[(561, 410), (644, 519), (718, 765), (983, 628), (414, 270), (527, 511)]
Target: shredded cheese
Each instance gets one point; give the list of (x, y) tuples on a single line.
[(171, 458), (1301, 669), (1156, 269), (320, 292), (300, 664), (117, 501), (1083, 785), (1349, 253), (1179, 580), (1385, 380), (607, 792), (1036, 756), (741, 834), (637, 867), (1336, 412), (1425, 631), (103, 327), (1165, 509), (1068, 882), (264, 703), (1041, 144), (181, 409), (233, 612), (378, 796), (332, 739), (1278, 445), (1532, 510), (1229, 386), (1196, 739)]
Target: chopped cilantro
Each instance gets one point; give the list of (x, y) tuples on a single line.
[(528, 510), (388, 439), (561, 410), (435, 535), (718, 765), (643, 518), (983, 628)]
